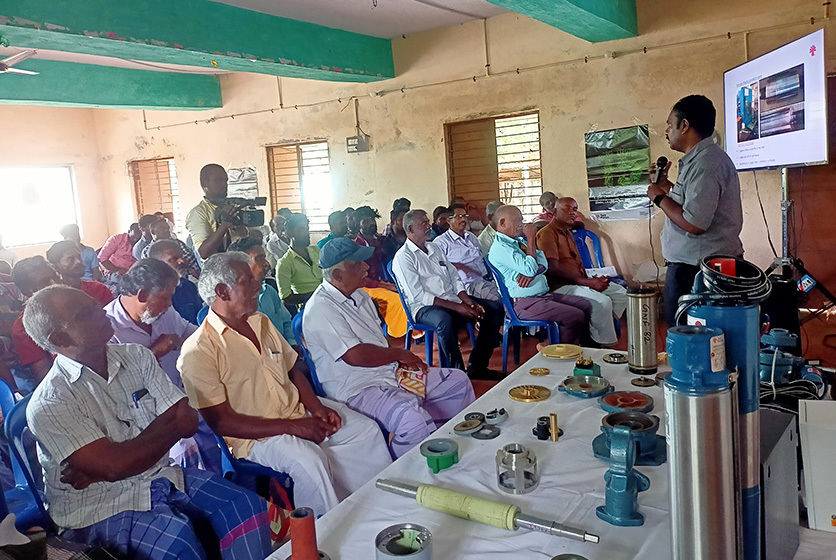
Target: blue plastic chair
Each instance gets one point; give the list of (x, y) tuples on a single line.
[(429, 330), (28, 491), (242, 472), (581, 236), (296, 325), (512, 320)]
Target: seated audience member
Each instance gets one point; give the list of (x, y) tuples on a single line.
[(298, 274), (277, 245), (352, 222), (462, 250), (241, 374), (487, 235), (523, 272), (384, 294), (440, 224), (186, 300), (437, 297), (162, 230), (65, 258), (548, 200), (338, 224), (567, 274), (88, 254), (394, 237), (355, 363), (269, 302), (145, 222), (475, 222), (7, 254), (29, 276), (162, 216), (142, 314), (33, 274), (5, 268), (105, 418), (401, 205), (209, 235), (116, 255)]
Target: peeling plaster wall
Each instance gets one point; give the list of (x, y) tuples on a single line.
[(40, 136), (408, 153)]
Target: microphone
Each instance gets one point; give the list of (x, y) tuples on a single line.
[(661, 164)]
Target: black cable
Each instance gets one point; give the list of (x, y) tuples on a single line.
[(749, 285), (650, 236), (763, 213)]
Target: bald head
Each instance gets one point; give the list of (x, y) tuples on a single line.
[(61, 319), (508, 220), (566, 212)]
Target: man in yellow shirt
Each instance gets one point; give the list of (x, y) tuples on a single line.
[(239, 371)]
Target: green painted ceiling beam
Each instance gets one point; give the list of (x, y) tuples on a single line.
[(592, 20), (69, 84), (197, 33)]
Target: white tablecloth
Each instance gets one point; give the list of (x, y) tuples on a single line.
[(571, 485)]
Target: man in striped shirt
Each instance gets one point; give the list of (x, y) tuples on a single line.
[(105, 418)]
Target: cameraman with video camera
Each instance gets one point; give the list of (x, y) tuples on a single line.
[(212, 222), (209, 235)]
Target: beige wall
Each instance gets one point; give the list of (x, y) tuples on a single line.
[(41, 136), (688, 50)]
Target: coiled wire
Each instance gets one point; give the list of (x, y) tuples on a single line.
[(750, 285)]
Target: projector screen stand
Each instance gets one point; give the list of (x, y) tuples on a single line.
[(792, 267)]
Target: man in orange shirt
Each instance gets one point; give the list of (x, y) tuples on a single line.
[(567, 274)]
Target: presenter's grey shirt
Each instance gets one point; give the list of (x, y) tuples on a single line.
[(708, 189)]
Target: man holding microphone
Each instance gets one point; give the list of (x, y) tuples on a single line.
[(703, 211)]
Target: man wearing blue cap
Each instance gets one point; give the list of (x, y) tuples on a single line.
[(355, 364)]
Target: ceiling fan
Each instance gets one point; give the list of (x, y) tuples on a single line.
[(6, 65)]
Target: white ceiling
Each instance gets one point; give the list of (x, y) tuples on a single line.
[(389, 19)]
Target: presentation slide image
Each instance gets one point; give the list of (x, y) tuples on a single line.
[(782, 89), (780, 121), (747, 113)]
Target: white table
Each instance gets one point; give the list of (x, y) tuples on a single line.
[(571, 486)]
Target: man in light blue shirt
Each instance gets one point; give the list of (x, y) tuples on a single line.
[(463, 252), (523, 273)]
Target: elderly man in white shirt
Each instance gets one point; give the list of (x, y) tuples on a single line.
[(462, 250), (436, 296), (355, 364)]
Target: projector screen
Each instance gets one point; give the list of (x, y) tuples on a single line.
[(776, 107)]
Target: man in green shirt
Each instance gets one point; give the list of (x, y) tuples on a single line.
[(298, 273)]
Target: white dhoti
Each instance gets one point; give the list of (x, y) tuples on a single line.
[(607, 306), (326, 473)]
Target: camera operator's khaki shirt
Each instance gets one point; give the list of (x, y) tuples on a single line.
[(200, 221)]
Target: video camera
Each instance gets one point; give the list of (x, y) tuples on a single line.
[(248, 215)]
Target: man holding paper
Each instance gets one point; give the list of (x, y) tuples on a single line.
[(357, 366), (567, 275)]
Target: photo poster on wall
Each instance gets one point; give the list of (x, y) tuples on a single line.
[(242, 182), (617, 169)]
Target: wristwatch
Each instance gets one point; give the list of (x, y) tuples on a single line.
[(657, 200)]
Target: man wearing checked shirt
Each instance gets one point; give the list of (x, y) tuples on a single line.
[(105, 418)]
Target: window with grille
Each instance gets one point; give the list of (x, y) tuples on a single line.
[(300, 179), (496, 159), (37, 201), (156, 189)]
